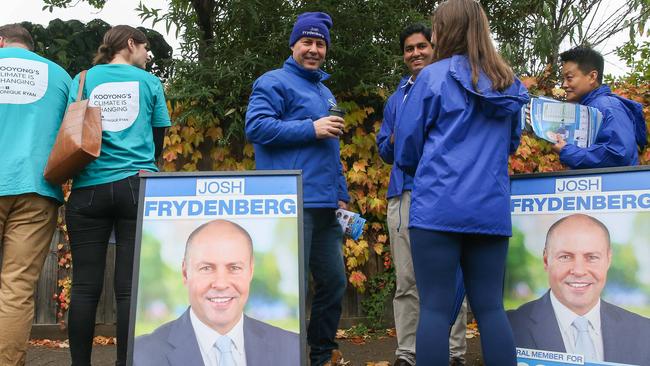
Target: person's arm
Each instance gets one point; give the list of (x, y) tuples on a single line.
[(73, 89), (614, 144), (515, 134), (419, 112), (263, 123), (342, 187), (158, 140), (63, 85), (160, 117), (385, 140)]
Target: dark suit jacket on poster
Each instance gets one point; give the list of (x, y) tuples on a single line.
[(626, 336), (175, 344)]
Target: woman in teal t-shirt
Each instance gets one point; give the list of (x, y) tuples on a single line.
[(105, 195)]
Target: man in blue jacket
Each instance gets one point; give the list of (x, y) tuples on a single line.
[(415, 42), (33, 99), (623, 126), (289, 124)]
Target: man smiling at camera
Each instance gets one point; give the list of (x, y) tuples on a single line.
[(218, 269), (417, 52), (292, 124), (571, 317)]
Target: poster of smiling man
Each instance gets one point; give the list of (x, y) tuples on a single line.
[(218, 270), (578, 274)]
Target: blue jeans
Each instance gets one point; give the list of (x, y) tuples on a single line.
[(436, 255), (324, 259)]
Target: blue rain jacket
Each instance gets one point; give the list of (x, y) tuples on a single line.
[(623, 128), (399, 182), (280, 123), (455, 141)]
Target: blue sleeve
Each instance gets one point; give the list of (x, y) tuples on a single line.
[(72, 91), (515, 134), (342, 186), (385, 147), (614, 146), (419, 112), (160, 116), (263, 123), (63, 84), (62, 89)]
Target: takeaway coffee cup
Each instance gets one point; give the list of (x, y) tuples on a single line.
[(336, 111)]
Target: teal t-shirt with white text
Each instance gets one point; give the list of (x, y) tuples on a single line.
[(33, 100), (132, 102)]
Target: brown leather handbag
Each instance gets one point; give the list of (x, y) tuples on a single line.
[(78, 142)]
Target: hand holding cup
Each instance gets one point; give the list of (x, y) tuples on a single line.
[(330, 126)]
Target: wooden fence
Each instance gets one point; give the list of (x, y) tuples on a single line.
[(45, 322)]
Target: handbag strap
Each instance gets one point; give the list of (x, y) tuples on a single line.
[(82, 81)]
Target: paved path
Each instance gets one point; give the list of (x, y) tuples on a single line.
[(372, 351)]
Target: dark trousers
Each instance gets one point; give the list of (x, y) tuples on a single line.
[(324, 256), (91, 214), (482, 258)]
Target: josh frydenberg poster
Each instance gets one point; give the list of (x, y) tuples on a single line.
[(578, 275), (218, 255)]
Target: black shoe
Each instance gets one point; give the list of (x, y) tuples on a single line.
[(456, 362), (401, 362)]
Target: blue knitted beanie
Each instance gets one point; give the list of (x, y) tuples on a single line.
[(311, 24)]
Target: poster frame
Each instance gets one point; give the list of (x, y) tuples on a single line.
[(521, 178), (145, 176)]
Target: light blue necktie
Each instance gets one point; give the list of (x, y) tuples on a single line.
[(224, 345), (584, 344)]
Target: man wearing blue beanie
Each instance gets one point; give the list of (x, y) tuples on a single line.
[(289, 123), (311, 25)]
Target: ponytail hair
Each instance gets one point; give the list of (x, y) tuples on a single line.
[(461, 28), (115, 40)]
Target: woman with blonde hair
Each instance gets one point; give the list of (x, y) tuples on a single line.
[(457, 127), (104, 195)]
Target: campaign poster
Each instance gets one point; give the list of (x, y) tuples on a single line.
[(580, 248), (194, 271)]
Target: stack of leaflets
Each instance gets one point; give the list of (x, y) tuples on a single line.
[(352, 223), (576, 124)]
